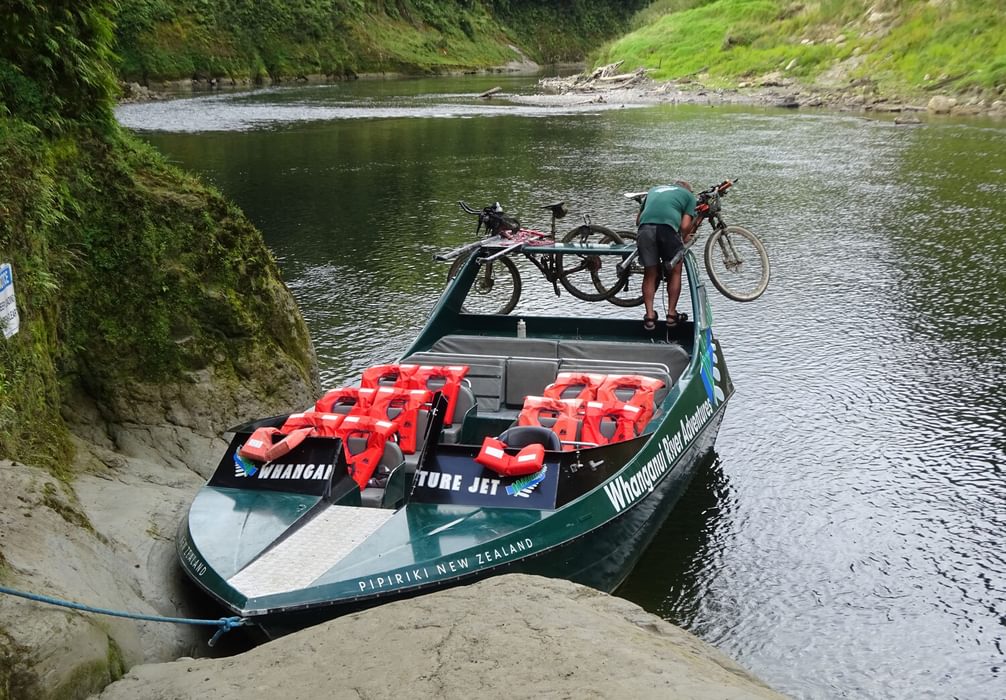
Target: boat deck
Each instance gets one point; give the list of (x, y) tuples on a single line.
[(505, 370)]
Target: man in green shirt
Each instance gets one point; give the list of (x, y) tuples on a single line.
[(667, 211)]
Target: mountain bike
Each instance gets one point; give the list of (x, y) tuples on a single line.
[(735, 258), (498, 286)]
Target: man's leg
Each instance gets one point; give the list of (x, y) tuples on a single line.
[(651, 278), (649, 258), (673, 291)]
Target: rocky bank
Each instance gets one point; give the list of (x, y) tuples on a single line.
[(514, 636), (833, 91)]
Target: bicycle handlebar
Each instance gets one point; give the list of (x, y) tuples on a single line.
[(719, 189), (492, 217)]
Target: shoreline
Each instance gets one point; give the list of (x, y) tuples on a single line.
[(771, 91), (562, 92)]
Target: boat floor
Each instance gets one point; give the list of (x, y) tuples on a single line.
[(310, 551)]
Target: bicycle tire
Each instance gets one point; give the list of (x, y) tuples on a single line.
[(737, 263), (629, 291), (480, 295), (581, 274)]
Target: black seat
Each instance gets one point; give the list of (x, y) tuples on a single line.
[(524, 435), (558, 209)]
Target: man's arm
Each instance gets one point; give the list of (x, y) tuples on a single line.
[(687, 227)]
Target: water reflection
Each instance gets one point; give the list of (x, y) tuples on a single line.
[(684, 554), (848, 542)]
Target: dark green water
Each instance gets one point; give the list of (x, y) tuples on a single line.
[(849, 539)]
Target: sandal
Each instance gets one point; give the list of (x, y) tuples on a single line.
[(650, 322), (675, 319)]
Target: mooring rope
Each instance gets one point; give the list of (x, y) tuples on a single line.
[(223, 624)]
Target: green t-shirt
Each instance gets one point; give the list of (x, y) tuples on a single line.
[(666, 204)]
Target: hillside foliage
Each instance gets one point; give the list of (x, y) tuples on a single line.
[(280, 39), (901, 46)]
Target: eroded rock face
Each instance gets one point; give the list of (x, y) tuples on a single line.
[(107, 538), (510, 636), (50, 546)]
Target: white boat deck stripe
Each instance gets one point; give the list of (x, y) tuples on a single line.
[(310, 551)]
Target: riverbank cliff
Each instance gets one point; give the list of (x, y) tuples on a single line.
[(150, 316)]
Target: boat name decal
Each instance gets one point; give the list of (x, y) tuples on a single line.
[(192, 559), (623, 492), (452, 482), (295, 471), (451, 566)]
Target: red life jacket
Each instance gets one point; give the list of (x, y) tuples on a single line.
[(324, 424), (561, 411), (363, 463), (359, 399), (408, 402), (427, 377), (494, 456), (624, 416), (263, 446), (391, 375), (643, 388), (565, 380)]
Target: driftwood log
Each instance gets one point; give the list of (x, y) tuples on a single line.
[(601, 78)]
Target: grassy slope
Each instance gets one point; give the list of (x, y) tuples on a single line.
[(259, 39), (904, 46)]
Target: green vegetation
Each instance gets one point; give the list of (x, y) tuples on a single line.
[(278, 39), (902, 47), (126, 269)]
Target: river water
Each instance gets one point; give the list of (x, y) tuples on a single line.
[(848, 539)]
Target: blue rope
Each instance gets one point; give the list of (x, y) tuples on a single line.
[(224, 624)]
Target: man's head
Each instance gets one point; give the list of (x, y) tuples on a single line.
[(684, 183)]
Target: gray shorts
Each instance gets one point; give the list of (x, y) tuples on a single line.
[(657, 244)]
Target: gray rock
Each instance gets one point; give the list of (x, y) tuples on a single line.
[(510, 636), (940, 104)]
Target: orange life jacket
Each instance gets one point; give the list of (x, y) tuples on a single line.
[(408, 402), (565, 380), (263, 445), (560, 410), (494, 456), (358, 398), (391, 375), (324, 424), (363, 463), (643, 388), (624, 416), (427, 377)]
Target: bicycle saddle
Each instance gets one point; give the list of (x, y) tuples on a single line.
[(558, 209)]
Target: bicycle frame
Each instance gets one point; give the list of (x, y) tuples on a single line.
[(495, 221)]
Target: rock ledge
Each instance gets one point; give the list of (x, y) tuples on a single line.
[(522, 636)]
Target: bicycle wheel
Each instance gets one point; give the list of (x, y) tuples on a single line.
[(630, 286), (496, 288), (737, 263), (585, 276)]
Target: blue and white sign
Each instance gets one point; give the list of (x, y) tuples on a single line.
[(9, 319)]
